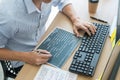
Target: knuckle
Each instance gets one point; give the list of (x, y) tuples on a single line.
[(85, 29), (37, 60)]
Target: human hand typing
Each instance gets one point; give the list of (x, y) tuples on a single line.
[(79, 24)]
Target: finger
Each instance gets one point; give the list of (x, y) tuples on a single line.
[(94, 27), (42, 61), (45, 56), (43, 51), (90, 27), (86, 30), (76, 31)]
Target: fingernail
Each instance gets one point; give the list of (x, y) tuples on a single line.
[(48, 52)]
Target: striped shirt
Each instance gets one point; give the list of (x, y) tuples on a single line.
[(22, 24)]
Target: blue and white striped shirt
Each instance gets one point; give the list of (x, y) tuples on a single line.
[(22, 24)]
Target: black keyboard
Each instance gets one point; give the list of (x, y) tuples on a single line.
[(86, 57)]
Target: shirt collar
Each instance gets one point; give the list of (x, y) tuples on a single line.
[(31, 6)]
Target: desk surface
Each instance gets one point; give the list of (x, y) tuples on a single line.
[(107, 9)]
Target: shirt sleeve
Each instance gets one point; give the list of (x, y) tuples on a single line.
[(5, 31), (61, 3)]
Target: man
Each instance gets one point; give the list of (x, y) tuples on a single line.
[(22, 25)]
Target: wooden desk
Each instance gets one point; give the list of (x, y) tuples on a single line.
[(107, 9)]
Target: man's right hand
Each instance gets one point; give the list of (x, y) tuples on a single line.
[(37, 57)]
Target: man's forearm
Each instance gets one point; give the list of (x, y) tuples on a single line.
[(6, 54), (69, 11), (78, 24)]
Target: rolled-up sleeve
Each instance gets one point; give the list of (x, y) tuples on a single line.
[(61, 3)]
